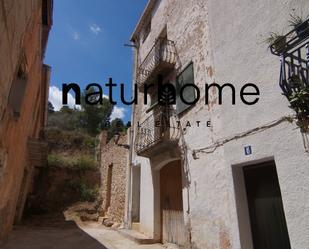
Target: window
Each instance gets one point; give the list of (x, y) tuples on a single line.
[(147, 30), (47, 12), (184, 78), (17, 93)]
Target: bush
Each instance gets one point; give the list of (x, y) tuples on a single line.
[(84, 163), (87, 194), (60, 140), (55, 160), (77, 162)]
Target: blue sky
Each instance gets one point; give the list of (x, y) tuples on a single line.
[(86, 46)]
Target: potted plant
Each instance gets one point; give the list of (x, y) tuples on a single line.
[(300, 25), (299, 100), (277, 41)]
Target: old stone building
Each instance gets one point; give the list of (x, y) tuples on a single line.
[(24, 82), (236, 175), (113, 165)]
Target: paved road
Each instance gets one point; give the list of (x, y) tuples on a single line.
[(52, 232), (62, 236)]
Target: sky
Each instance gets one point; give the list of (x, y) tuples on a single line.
[(86, 45)]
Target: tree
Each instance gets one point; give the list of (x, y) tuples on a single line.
[(116, 126), (66, 119), (95, 116), (128, 125), (51, 108)]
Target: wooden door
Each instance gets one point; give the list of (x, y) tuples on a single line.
[(172, 217)]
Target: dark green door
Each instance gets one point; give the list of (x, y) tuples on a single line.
[(268, 225)]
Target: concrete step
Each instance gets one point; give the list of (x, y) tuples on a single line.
[(137, 237), (136, 226)]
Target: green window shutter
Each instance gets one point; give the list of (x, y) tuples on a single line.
[(185, 77)]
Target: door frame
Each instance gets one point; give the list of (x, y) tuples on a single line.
[(241, 200)]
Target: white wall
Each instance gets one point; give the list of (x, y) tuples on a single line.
[(224, 39)]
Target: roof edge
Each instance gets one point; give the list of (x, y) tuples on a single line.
[(147, 11)]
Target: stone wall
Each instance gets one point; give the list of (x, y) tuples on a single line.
[(20, 53), (113, 176)]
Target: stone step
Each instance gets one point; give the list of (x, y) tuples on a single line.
[(136, 226)]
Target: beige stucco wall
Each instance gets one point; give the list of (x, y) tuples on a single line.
[(224, 39)]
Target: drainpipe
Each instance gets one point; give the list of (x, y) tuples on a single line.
[(128, 201)]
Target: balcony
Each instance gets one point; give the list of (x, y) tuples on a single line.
[(157, 132), (160, 60), (294, 71)]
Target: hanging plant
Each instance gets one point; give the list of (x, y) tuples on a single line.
[(278, 41), (298, 96), (300, 25)]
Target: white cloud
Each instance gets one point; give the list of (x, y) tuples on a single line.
[(75, 35), (118, 112), (95, 29), (55, 97)]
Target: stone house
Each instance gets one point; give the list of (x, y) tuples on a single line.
[(235, 176), (113, 165), (24, 81)]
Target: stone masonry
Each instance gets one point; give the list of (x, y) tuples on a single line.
[(113, 176), (24, 81)]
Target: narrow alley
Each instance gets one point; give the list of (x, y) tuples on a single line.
[(53, 232), (154, 124)]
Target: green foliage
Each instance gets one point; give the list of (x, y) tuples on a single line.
[(74, 140), (95, 116), (55, 160), (84, 163), (85, 192), (51, 108), (75, 162), (296, 20), (278, 40), (66, 119), (90, 119), (116, 126), (299, 100)]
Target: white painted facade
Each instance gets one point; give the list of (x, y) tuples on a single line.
[(224, 40)]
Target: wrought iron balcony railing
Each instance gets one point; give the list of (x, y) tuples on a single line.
[(160, 59), (291, 40), (159, 129), (294, 72), (295, 69)]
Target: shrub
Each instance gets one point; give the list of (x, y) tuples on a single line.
[(87, 194), (84, 162), (55, 160), (69, 140)]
